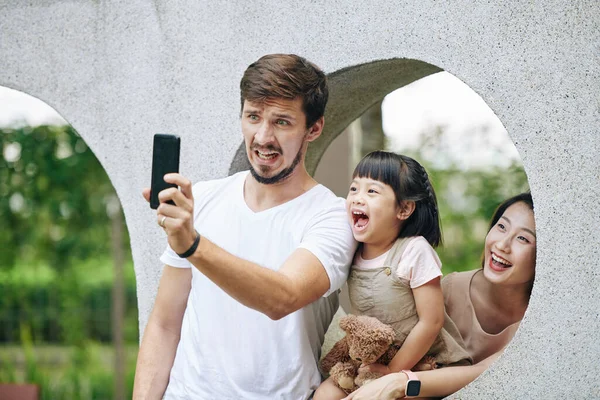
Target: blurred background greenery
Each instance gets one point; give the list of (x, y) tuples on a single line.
[(68, 310), (59, 267)]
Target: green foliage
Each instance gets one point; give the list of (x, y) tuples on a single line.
[(66, 372), (467, 199), (53, 198), (68, 307), (56, 273), (55, 268)]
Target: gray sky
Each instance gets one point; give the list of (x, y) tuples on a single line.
[(19, 108), (473, 136)]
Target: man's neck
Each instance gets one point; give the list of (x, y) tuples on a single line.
[(260, 197)]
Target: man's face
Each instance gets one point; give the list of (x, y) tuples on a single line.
[(275, 134)]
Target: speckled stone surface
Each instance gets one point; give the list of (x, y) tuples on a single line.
[(122, 71)]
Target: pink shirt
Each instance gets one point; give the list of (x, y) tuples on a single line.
[(419, 264)]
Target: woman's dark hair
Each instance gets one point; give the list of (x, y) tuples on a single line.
[(522, 197), (410, 181)]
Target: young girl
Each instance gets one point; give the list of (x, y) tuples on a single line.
[(395, 276)]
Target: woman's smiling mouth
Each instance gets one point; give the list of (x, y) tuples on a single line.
[(498, 263)]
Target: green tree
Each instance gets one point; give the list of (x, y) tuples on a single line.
[(467, 198), (53, 198), (62, 223)]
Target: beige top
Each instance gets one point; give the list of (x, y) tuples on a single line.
[(457, 297)]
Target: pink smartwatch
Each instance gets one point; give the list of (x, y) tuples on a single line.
[(413, 385)]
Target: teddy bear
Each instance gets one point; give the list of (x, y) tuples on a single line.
[(367, 341)]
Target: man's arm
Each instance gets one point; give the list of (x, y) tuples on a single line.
[(301, 280), (161, 336)]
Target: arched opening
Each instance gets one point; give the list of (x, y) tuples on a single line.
[(438, 120), (68, 310)]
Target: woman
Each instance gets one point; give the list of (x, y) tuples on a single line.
[(487, 304)]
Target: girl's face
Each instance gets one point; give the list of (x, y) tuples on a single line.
[(510, 247), (373, 212)]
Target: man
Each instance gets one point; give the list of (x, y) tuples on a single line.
[(254, 261)]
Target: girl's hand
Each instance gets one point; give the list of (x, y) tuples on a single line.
[(375, 368), (388, 387)]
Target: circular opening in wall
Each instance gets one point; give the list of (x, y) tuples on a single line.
[(69, 306), (412, 108)]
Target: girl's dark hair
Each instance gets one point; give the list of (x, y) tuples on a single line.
[(522, 197), (410, 181)]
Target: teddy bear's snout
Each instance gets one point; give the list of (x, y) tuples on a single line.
[(362, 356), (356, 357)]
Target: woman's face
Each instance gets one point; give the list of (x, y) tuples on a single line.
[(510, 247)]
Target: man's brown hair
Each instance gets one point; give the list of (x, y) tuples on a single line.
[(287, 76)]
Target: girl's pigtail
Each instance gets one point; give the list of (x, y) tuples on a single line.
[(431, 200), (431, 227)]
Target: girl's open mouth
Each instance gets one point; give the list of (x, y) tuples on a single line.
[(360, 220)]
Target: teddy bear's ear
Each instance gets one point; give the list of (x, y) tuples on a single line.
[(391, 334), (347, 323)]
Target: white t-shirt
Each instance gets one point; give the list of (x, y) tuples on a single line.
[(419, 263), (229, 351)]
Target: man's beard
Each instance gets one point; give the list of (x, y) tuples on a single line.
[(280, 176)]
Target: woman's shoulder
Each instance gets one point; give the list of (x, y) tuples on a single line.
[(464, 276), (457, 283)]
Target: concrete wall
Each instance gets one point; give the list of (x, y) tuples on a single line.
[(121, 71)]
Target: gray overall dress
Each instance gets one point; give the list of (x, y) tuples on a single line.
[(379, 293)]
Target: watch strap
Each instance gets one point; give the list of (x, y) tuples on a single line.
[(411, 375)]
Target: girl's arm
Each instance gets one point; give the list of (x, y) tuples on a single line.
[(436, 383), (429, 301)]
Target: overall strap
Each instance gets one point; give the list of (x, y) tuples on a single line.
[(395, 254)]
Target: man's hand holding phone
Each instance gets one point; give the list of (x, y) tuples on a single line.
[(178, 219), (175, 208)]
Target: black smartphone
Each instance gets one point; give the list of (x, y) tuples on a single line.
[(165, 159)]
